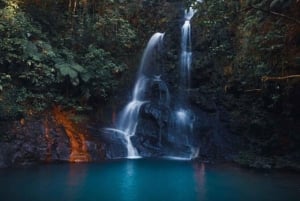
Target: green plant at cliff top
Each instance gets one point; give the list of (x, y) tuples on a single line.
[(101, 71)]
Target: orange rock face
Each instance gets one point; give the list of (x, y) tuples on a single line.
[(79, 152)]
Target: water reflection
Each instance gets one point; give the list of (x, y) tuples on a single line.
[(76, 174), (128, 184), (199, 169)]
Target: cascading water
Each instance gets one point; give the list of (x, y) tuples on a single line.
[(127, 122), (186, 52), (182, 127), (152, 124)]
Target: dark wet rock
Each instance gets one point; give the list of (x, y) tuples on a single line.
[(158, 93), (115, 150), (114, 144), (147, 146), (159, 113), (151, 129), (5, 151), (214, 139), (96, 150)]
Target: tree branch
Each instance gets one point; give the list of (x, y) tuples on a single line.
[(253, 90), (276, 14), (266, 78)]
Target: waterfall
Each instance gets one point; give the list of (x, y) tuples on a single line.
[(154, 123), (186, 53), (182, 127), (127, 121), (149, 60)]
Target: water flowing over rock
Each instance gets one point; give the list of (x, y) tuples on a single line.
[(152, 124), (127, 122)]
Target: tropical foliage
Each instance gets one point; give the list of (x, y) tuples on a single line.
[(69, 49), (249, 50)]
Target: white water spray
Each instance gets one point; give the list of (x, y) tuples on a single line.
[(128, 119), (186, 52), (184, 117)]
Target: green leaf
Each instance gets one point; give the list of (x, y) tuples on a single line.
[(86, 76), (78, 68), (31, 51), (66, 70)]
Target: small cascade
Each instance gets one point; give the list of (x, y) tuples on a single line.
[(127, 124), (160, 92)]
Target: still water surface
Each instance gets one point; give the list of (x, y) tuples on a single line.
[(145, 180)]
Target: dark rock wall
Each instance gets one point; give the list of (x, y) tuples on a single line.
[(243, 55), (33, 140)]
